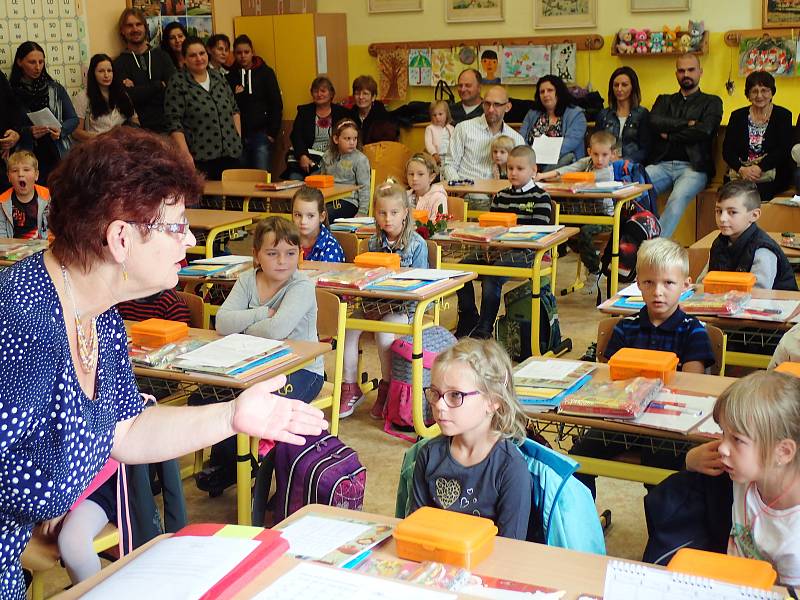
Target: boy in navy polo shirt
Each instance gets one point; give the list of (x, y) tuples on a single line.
[(662, 269)]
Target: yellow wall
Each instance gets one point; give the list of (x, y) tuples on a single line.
[(656, 73)]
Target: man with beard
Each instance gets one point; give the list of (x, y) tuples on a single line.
[(684, 125), (144, 71)]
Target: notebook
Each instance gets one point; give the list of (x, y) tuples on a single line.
[(632, 581)]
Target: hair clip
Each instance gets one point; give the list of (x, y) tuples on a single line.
[(455, 182)]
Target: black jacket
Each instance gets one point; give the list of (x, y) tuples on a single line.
[(777, 144), (671, 114), (739, 256), (10, 109), (458, 115), (303, 130), (149, 84), (260, 104), (377, 115)]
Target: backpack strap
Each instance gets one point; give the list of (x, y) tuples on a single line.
[(262, 489)]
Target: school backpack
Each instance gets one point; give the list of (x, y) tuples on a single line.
[(627, 171), (513, 330), (397, 413), (322, 471), (638, 225)]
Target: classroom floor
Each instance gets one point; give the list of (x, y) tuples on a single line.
[(382, 454)]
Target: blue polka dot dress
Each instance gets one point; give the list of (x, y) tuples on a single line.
[(326, 248), (53, 438)]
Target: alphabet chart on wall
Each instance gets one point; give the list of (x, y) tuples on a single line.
[(57, 25)]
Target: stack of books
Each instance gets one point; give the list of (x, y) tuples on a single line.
[(279, 185), (352, 224), (222, 267), (542, 384), (476, 233), (355, 278), (239, 356)]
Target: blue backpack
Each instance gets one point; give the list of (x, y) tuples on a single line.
[(632, 172)]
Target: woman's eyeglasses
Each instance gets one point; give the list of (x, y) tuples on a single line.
[(453, 398), (180, 229)]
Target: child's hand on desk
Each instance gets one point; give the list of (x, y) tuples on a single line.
[(705, 459), (260, 413)]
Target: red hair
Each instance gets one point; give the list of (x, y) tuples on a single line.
[(126, 174)]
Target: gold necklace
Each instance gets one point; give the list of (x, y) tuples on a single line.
[(87, 346)]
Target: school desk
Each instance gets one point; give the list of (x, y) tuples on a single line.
[(208, 225), (563, 426), (226, 388), (31, 246), (700, 250), (743, 331), (567, 217), (247, 190), (576, 573)]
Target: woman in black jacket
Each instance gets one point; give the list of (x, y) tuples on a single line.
[(311, 132), (758, 139), (258, 95), (373, 120)]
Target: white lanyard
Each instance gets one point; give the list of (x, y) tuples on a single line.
[(149, 63)]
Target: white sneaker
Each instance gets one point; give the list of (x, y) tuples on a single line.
[(590, 283)]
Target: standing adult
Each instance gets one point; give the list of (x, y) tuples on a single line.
[(202, 115), (625, 116), (172, 38), (469, 90), (554, 114), (70, 399), (311, 131), (369, 112), (684, 125), (258, 96), (10, 124), (144, 71), (758, 139), (104, 104), (36, 90), (469, 155), (219, 52)]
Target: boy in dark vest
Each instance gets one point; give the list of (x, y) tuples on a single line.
[(742, 245)]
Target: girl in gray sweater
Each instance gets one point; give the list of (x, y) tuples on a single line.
[(345, 161)]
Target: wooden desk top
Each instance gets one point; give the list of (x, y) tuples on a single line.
[(247, 189), (492, 186), (305, 352), (481, 186), (206, 218), (542, 243)]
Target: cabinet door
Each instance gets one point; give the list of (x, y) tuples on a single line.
[(258, 29), (295, 59)]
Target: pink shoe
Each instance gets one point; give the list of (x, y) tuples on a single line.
[(350, 398), (380, 402)]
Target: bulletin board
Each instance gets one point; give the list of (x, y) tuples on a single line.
[(59, 26), (194, 15)]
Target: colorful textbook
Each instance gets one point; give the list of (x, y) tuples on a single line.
[(541, 385)]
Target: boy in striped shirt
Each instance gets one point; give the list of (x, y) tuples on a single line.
[(532, 206)]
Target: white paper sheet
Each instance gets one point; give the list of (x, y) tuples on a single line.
[(231, 259), (535, 228), (44, 118), (429, 274), (547, 149), (709, 427), (548, 369), (356, 220), (692, 410), (230, 350), (308, 580), (322, 54), (631, 290), (177, 567), (314, 537), (480, 591)]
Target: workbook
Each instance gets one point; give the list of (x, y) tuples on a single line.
[(356, 278), (476, 233), (676, 412), (552, 373), (279, 185), (237, 355)]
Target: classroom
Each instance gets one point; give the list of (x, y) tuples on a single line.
[(453, 298)]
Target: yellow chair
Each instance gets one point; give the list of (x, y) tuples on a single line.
[(349, 243), (198, 311), (372, 185), (247, 175), (388, 159), (457, 208), (41, 554), (331, 317)]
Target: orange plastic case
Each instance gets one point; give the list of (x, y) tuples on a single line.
[(733, 569), (378, 259), (493, 219), (157, 332), (652, 364), (445, 536), (790, 368), (319, 181), (719, 282), (579, 176)]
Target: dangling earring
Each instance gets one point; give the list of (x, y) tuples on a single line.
[(124, 272)]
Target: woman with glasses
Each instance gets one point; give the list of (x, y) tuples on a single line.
[(69, 397), (368, 112), (758, 139)]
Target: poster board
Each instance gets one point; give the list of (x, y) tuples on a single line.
[(195, 15)]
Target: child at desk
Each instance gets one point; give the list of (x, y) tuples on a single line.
[(420, 173), (473, 467), (311, 218), (532, 206), (662, 273), (500, 147), (25, 204), (348, 165), (603, 150), (395, 233), (742, 245)]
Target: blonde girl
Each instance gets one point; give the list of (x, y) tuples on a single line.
[(760, 420), (426, 195), (439, 132), (501, 146), (311, 218), (394, 233), (474, 467), (348, 165)]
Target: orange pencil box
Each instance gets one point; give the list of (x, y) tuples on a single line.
[(157, 332), (319, 181), (723, 567), (378, 259), (719, 282), (578, 177), (445, 536), (494, 219), (420, 215), (652, 364), (789, 367)]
